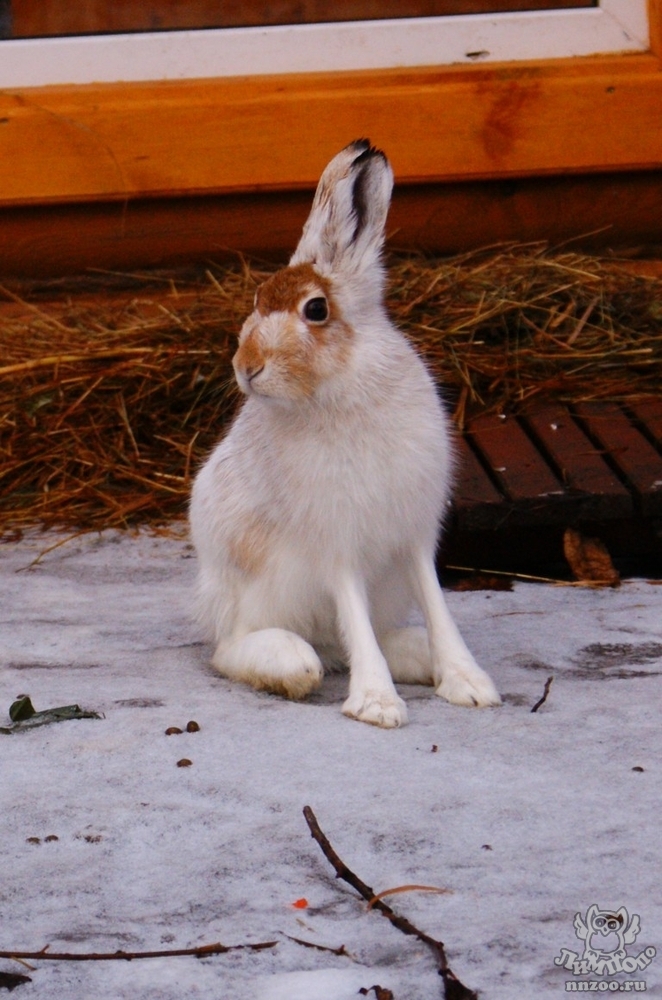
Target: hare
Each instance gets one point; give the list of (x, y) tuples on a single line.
[(316, 518)]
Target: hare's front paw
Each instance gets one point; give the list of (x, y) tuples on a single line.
[(272, 659), (469, 687), (379, 708)]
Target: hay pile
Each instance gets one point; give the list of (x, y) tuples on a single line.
[(506, 327), (110, 397)]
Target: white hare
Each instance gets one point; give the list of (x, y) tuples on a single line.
[(316, 518)]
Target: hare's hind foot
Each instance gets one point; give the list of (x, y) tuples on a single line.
[(456, 675), (468, 685), (271, 659), (462, 682), (378, 708)]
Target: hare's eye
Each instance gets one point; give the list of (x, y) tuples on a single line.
[(316, 310)]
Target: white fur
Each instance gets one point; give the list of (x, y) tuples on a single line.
[(338, 493)]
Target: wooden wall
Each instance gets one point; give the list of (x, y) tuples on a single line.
[(35, 18), (128, 175)]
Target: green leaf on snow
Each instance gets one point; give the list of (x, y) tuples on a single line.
[(23, 715)]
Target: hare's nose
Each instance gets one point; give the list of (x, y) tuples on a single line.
[(250, 371)]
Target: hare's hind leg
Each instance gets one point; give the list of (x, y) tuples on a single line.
[(271, 659), (406, 649), (456, 675), (372, 696), (407, 652)]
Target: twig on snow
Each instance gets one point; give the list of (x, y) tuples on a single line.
[(453, 988), (320, 947), (202, 951), (407, 888), (541, 701)]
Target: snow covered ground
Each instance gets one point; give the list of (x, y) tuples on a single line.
[(526, 819)]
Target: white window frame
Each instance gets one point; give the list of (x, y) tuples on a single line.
[(614, 26)]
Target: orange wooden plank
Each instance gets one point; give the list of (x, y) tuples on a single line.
[(636, 458), (476, 501), (518, 465), (473, 484), (120, 141), (648, 413), (581, 466)]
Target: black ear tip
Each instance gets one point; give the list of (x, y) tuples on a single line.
[(366, 151), (359, 146)]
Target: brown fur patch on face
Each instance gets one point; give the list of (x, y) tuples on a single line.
[(283, 291), (249, 356), (295, 361), (290, 362), (249, 547)]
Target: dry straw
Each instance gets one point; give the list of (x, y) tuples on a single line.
[(112, 390)]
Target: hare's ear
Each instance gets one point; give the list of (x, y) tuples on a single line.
[(344, 232)]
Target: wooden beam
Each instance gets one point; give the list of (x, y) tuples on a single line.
[(655, 26), (621, 210), (126, 141)]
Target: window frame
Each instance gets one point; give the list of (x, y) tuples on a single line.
[(404, 43)]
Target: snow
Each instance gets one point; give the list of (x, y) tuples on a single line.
[(525, 818)]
